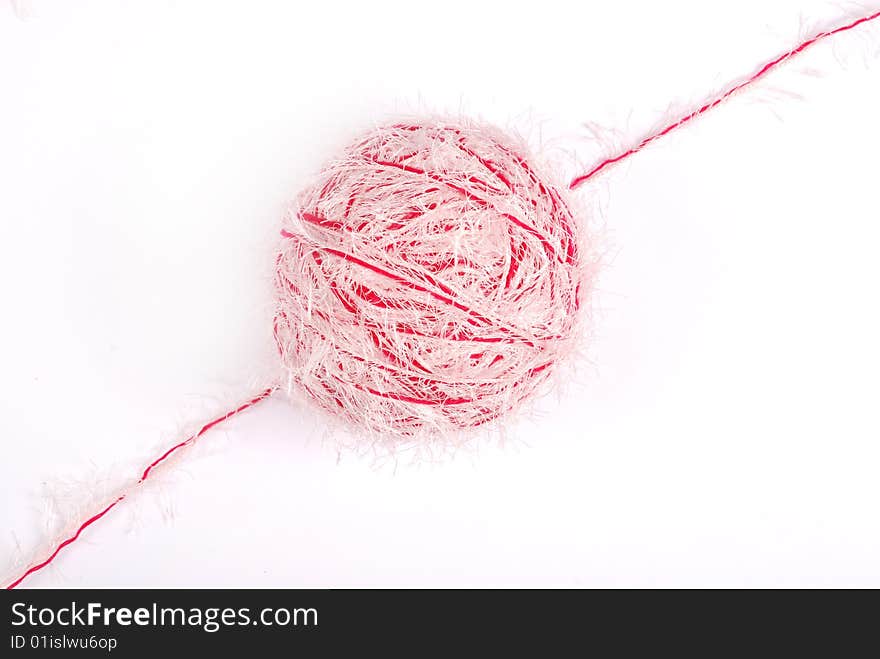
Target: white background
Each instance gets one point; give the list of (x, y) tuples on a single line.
[(723, 433)]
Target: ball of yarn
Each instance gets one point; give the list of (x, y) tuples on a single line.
[(429, 279)]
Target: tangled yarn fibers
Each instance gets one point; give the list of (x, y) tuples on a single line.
[(428, 280)]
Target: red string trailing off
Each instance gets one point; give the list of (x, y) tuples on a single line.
[(144, 476), (760, 73)]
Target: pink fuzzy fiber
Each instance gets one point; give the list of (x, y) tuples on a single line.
[(428, 280)]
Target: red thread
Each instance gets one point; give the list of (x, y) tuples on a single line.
[(155, 463), (70, 540), (763, 71)]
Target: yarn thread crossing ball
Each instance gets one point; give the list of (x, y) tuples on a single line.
[(430, 279)]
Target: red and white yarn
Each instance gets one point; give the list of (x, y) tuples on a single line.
[(429, 279)]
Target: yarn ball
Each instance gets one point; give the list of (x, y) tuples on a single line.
[(429, 279)]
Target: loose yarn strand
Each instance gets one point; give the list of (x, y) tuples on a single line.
[(189, 441), (752, 79)]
